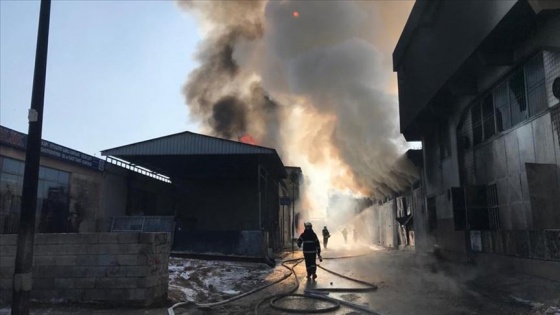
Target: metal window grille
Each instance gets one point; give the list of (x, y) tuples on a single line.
[(466, 133), (517, 98), (467, 158), (503, 113), (476, 124), (488, 117), (536, 88), (493, 207)]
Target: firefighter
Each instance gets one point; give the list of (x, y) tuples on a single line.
[(311, 249), (326, 236), (345, 234)]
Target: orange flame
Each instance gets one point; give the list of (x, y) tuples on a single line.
[(248, 139), (295, 14)]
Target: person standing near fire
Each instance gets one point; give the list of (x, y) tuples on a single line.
[(326, 236), (345, 234), (311, 249)]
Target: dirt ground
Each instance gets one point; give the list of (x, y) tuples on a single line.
[(408, 283)]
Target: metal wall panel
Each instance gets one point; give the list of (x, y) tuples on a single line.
[(480, 166), (490, 161), (526, 145), (518, 221), (443, 206), (448, 173), (514, 184), (499, 157), (512, 153), (528, 214), (505, 217), (544, 141), (524, 186)]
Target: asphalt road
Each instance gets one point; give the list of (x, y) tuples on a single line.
[(409, 283)]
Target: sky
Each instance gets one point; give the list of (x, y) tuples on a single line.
[(114, 74)]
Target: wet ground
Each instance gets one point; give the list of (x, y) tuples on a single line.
[(407, 283)]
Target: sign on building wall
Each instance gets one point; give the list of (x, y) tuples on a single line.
[(18, 140)]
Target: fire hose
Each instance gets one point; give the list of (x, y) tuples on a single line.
[(319, 294)]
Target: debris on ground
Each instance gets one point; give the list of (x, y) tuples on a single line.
[(207, 281)]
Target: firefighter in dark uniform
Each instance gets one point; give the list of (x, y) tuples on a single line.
[(326, 236), (311, 249)]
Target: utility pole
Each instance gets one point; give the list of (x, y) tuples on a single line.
[(26, 237)]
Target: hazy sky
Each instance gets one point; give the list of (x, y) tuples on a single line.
[(115, 70)]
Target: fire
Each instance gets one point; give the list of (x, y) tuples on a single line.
[(295, 14), (248, 139)]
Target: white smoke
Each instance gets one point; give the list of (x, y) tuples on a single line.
[(320, 63)]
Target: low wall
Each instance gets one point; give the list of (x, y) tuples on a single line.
[(547, 269), (242, 243), (535, 244), (118, 268)]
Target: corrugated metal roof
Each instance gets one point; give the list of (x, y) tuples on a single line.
[(187, 143)]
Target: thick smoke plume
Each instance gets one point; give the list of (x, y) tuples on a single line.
[(311, 79)]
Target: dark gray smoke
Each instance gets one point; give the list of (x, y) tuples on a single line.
[(229, 117)]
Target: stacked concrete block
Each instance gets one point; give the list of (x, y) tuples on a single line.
[(118, 268)]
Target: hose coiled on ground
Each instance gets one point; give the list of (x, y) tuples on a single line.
[(316, 294)]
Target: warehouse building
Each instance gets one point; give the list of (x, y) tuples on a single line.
[(478, 85)]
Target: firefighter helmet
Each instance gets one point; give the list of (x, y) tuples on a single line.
[(307, 224)]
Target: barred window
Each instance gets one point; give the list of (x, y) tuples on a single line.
[(517, 100), (488, 117), (536, 89), (476, 123), (493, 207), (503, 114), (519, 97)]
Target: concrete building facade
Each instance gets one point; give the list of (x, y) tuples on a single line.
[(476, 86), (77, 192)]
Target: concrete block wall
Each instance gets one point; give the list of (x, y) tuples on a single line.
[(117, 268)]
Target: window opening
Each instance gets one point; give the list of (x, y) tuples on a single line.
[(516, 86), (488, 117), (476, 124)]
